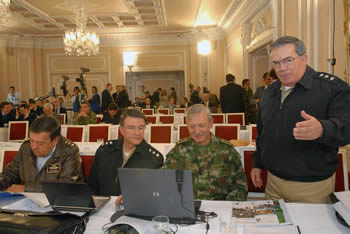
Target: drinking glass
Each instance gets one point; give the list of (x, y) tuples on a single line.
[(160, 225)]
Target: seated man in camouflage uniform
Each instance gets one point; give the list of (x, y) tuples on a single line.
[(46, 156), (85, 116), (130, 151), (216, 167)]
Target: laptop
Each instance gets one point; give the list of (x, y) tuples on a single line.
[(153, 192), (72, 197)]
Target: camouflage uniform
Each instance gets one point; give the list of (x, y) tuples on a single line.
[(217, 173), (90, 119), (250, 107)]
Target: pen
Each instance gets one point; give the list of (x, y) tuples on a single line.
[(298, 229)]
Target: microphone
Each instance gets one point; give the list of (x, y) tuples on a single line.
[(179, 179)]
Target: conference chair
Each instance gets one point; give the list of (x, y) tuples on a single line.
[(75, 133), (18, 130), (235, 118), (148, 111), (7, 154), (164, 111), (253, 132), (151, 119), (218, 118), (98, 132), (226, 131), (161, 133), (86, 163), (182, 131), (166, 119), (63, 118), (179, 110)]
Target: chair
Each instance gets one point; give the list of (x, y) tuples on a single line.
[(235, 118), (253, 132), (182, 131), (151, 119), (7, 155), (218, 118), (185, 122), (18, 130), (341, 174), (161, 133), (180, 110), (227, 131), (99, 117), (75, 133), (247, 162), (148, 111), (99, 131), (63, 118), (86, 163), (166, 119), (164, 111)]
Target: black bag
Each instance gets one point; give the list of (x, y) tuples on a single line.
[(14, 221)]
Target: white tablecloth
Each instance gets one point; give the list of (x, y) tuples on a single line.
[(311, 218)]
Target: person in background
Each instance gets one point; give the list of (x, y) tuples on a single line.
[(112, 115), (137, 103), (195, 99), (171, 105), (211, 101), (13, 96), (116, 93), (273, 76), (130, 151), (46, 156), (303, 119), (48, 111), (35, 108), (217, 171), (249, 102), (184, 102), (62, 103), (156, 97), (40, 103), (123, 98), (5, 115), (57, 107), (148, 105), (260, 90), (173, 94), (85, 116), (95, 100), (231, 96), (106, 97), (24, 114), (164, 99), (77, 97)]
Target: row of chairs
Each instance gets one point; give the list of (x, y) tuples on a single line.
[(155, 133), (342, 174)]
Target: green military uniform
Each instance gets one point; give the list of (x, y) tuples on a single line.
[(249, 107), (63, 166), (90, 119), (217, 171)]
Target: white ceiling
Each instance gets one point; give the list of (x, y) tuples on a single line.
[(49, 18)]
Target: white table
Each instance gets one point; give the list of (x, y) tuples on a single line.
[(311, 218)]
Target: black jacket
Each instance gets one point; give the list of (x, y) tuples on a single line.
[(103, 176), (232, 98), (321, 95), (123, 99), (5, 119), (107, 118), (31, 117), (106, 100)]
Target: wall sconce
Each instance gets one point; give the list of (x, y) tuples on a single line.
[(203, 47)]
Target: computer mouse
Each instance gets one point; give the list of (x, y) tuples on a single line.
[(117, 215)]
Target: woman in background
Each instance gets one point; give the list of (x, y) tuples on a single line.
[(164, 100)]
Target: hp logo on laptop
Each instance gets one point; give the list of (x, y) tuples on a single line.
[(156, 194)]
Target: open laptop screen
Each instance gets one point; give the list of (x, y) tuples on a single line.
[(154, 192)]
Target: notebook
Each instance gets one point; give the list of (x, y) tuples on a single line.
[(153, 192), (72, 197)]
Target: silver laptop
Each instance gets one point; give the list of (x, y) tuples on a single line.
[(72, 197), (154, 192)]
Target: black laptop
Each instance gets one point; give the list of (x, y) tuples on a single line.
[(72, 197), (153, 192)]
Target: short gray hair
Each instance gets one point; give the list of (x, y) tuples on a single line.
[(48, 106), (196, 109), (299, 44)]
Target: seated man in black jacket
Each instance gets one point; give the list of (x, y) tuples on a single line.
[(130, 151), (25, 114), (5, 115), (112, 115)]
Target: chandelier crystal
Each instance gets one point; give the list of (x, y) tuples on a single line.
[(80, 41), (4, 12)]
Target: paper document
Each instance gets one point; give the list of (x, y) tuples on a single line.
[(290, 229), (39, 198), (27, 205)]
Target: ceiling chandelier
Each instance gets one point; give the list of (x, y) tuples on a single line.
[(4, 12), (80, 41)]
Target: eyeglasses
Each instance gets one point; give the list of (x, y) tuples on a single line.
[(286, 62)]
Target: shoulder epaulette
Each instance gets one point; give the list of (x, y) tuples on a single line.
[(223, 141), (325, 75), (69, 143), (154, 151), (107, 143), (183, 140)]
